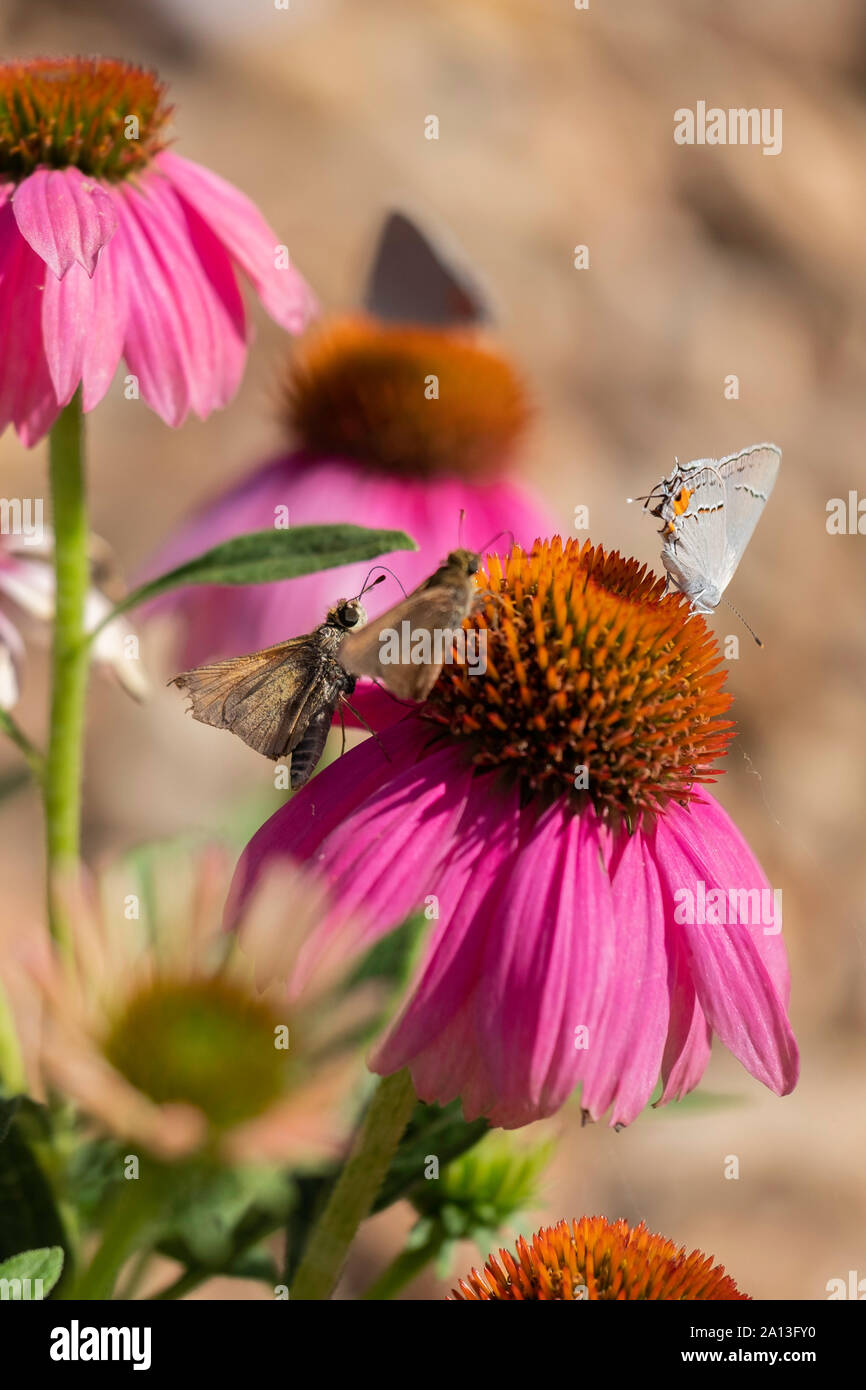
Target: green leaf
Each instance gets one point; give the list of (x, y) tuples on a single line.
[(433, 1129), (259, 557), (44, 1264), (221, 1216), (702, 1100), (392, 957), (29, 1219)]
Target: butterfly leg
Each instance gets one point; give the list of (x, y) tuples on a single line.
[(362, 720)]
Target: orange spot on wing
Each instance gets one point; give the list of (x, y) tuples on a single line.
[(682, 500)]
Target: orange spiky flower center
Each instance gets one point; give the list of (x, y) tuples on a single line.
[(596, 685), (415, 401), (596, 1260), (99, 115)]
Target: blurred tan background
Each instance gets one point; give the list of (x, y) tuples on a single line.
[(556, 129)]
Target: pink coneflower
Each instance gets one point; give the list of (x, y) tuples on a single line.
[(550, 817), (112, 247), (374, 447)]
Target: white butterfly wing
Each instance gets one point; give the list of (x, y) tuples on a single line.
[(749, 478), (694, 551)]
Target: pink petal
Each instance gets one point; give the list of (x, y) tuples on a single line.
[(467, 887), (524, 981), (66, 217), (67, 316), (212, 317), (182, 341), (380, 863), (687, 1049), (727, 860), (300, 828), (732, 982), (103, 347), (625, 1054), (452, 1065), (27, 397), (155, 345), (245, 235)]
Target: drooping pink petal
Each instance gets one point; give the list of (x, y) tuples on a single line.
[(452, 1064), (208, 322), (624, 1057), (727, 861), (103, 347), (734, 988), (246, 236), (67, 327), (524, 977), (375, 846), (181, 341), (687, 1049), (155, 345), (467, 888), (379, 865), (65, 217), (27, 398)]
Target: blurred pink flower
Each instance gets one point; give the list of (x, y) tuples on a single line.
[(376, 451), (227, 621), (549, 817), (170, 1032), (113, 247)]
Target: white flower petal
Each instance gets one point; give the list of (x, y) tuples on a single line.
[(11, 656), (112, 648), (30, 584)]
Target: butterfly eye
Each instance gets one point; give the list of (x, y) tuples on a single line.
[(350, 615)]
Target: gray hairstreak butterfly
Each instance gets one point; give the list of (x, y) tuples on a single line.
[(709, 509), (412, 280)]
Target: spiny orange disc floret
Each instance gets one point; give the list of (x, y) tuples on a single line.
[(99, 115), (598, 685), (409, 400), (596, 1260)]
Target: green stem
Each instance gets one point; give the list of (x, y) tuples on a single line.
[(70, 655), (32, 755), (185, 1283), (137, 1270), (130, 1223), (11, 1060), (402, 1270), (356, 1188)]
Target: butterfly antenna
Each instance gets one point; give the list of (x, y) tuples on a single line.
[(460, 522), (366, 585), (743, 621), (488, 544)]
